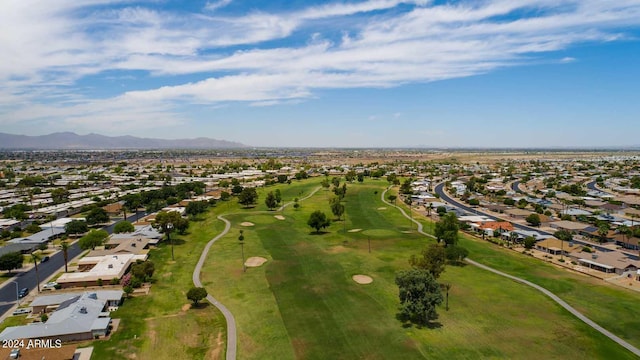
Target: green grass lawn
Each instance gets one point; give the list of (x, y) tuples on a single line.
[(303, 303), (158, 325)]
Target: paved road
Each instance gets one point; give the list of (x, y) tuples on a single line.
[(27, 279), (439, 189), (231, 321), (514, 187), (576, 313)]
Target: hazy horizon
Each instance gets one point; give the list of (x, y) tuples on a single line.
[(494, 74)]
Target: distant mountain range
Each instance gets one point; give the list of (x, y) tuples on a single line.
[(73, 141)]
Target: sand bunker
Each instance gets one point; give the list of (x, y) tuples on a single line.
[(355, 230), (246, 223), (279, 217), (362, 279), (382, 208), (255, 261)]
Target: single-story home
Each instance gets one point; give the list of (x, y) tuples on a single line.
[(83, 317)]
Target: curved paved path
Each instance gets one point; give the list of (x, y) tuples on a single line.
[(553, 297), (232, 343), (231, 321)]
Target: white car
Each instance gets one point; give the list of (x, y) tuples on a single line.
[(50, 285), (21, 311)]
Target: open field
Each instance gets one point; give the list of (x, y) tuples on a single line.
[(159, 325), (303, 302)]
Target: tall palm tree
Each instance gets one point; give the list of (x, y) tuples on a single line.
[(36, 257), (65, 249)]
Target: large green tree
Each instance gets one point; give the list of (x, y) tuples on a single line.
[(419, 294), (76, 227), (533, 219), (318, 220), (336, 207), (196, 294), (170, 221), (248, 196), (432, 259), (123, 227), (97, 215), (271, 200), (93, 238), (11, 261), (447, 229)]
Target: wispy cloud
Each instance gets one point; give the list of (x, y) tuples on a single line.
[(214, 5), (245, 58)]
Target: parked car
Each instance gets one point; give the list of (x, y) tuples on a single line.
[(44, 259), (50, 285), (21, 311), (23, 292)]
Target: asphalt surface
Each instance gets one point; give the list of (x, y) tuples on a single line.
[(514, 187), (27, 279), (439, 189)]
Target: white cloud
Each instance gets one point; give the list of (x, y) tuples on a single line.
[(214, 5), (47, 48), (567, 59)]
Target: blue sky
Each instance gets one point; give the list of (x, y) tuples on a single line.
[(384, 73)]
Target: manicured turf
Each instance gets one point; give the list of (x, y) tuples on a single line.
[(156, 326), (303, 303)]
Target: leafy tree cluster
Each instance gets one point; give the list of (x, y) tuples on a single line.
[(92, 239), (164, 218), (340, 191), (123, 227), (195, 208), (318, 220), (446, 230), (336, 207), (533, 219), (248, 196), (76, 227), (196, 294), (419, 294), (574, 189), (17, 211), (97, 215), (143, 270), (11, 261)]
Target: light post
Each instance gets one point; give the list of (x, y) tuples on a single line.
[(17, 294), (169, 228), (241, 239)]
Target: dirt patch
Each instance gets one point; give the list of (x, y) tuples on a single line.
[(355, 230), (166, 275), (279, 217), (336, 249), (246, 223), (362, 279), (216, 348), (382, 208), (186, 307), (255, 261)]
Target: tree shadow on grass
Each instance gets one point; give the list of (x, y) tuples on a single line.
[(318, 233), (407, 324), (457, 263), (177, 242), (204, 304)]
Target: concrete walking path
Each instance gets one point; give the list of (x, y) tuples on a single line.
[(231, 321), (553, 296), (232, 343)]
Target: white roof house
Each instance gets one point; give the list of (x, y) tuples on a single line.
[(102, 267)]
